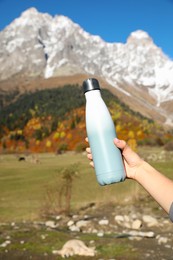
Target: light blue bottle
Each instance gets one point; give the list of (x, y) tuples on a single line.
[(100, 128)]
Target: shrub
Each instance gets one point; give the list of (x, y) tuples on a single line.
[(58, 195)]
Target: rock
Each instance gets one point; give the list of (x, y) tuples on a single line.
[(100, 234), (86, 217), (82, 223), (58, 217), (74, 228), (6, 243), (162, 240), (51, 224), (70, 223), (119, 218), (123, 221), (75, 247), (148, 234), (103, 222), (150, 221), (75, 216), (136, 224)]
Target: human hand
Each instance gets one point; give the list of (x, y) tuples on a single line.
[(132, 161)]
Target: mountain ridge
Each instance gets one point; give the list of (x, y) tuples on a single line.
[(41, 46)]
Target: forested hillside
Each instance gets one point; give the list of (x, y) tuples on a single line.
[(53, 120)]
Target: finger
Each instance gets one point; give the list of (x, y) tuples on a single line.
[(89, 156), (122, 145), (86, 139), (88, 150), (92, 164)]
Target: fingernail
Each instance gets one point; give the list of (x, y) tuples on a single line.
[(117, 140)]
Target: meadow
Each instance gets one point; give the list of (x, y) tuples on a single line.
[(26, 187)]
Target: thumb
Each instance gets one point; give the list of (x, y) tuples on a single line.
[(131, 158), (125, 149), (120, 143)]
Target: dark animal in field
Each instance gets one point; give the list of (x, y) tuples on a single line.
[(21, 159)]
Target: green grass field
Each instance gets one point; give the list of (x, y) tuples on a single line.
[(24, 185)]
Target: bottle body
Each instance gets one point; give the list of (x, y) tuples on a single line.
[(107, 157)]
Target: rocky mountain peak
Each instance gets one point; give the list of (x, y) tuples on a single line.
[(139, 36), (38, 44), (30, 17), (30, 12)]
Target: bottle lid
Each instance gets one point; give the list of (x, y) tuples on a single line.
[(90, 84)]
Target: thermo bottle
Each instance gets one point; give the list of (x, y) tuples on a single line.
[(100, 129)]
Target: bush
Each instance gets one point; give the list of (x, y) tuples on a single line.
[(58, 195)]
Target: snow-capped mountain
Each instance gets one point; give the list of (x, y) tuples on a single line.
[(37, 44)]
